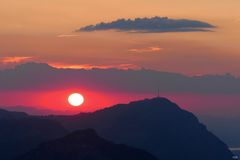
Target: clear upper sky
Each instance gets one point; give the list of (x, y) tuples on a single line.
[(43, 30)]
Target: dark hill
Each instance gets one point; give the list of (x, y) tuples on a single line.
[(85, 145), (4, 114), (19, 135), (155, 125)]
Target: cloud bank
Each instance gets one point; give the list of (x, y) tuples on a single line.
[(35, 76), (154, 24)]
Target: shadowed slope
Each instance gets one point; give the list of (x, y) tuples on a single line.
[(4, 114), (19, 135), (85, 145)]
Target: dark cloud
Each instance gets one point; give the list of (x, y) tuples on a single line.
[(34, 76), (155, 24)]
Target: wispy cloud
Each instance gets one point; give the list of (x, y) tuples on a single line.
[(146, 50), (15, 59), (90, 66), (67, 35), (154, 24)]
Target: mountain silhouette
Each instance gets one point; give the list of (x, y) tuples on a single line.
[(85, 145), (31, 110), (156, 125), (4, 114), (19, 135)]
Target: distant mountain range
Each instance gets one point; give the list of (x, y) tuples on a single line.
[(158, 126), (4, 114), (32, 110), (85, 145)]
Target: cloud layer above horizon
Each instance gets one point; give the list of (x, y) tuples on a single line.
[(41, 76), (148, 25)]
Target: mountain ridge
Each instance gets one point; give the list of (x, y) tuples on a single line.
[(156, 125), (5, 114)]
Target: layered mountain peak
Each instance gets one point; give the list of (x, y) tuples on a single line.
[(85, 145), (87, 137), (158, 104)]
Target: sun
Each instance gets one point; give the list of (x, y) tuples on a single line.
[(76, 99)]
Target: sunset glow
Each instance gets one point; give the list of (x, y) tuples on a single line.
[(126, 68)]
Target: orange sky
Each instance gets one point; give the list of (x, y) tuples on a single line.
[(65, 15), (43, 31)]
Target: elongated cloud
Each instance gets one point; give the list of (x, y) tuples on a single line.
[(145, 50), (155, 24), (125, 66), (14, 59)]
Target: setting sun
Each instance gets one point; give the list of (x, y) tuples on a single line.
[(76, 99)]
